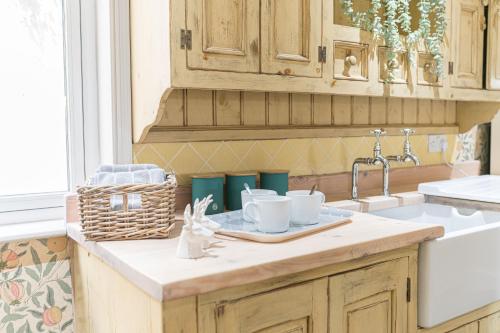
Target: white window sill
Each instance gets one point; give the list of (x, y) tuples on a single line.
[(32, 230)]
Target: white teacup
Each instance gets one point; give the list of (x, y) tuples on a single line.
[(247, 197), (269, 213), (305, 207)]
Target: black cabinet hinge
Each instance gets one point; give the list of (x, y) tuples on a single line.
[(322, 54), (408, 290), (450, 68), (186, 39)]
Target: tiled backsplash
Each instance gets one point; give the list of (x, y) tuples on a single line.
[(300, 156)]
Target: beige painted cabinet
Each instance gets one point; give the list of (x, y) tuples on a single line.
[(467, 24), (224, 35), (291, 36), (490, 324), (469, 328), (493, 61), (301, 308), (373, 299)]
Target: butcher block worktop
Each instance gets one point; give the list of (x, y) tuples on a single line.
[(153, 267)]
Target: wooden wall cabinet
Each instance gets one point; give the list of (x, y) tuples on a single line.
[(224, 35), (493, 62), (468, 24), (294, 46), (291, 37)]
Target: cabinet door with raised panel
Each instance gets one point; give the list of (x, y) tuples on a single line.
[(302, 309), (291, 35), (468, 24), (469, 328), (225, 35), (493, 67), (371, 299), (490, 324)]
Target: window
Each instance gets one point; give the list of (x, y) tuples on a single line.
[(41, 127)]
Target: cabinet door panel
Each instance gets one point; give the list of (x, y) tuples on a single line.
[(467, 43), (297, 309), (493, 70), (291, 35), (225, 35), (490, 324), (469, 328), (372, 299)]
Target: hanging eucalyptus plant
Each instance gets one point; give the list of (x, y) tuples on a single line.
[(397, 19)]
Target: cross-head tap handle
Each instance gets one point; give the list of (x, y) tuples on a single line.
[(407, 132), (378, 133)]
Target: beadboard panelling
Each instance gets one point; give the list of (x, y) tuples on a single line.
[(216, 111)]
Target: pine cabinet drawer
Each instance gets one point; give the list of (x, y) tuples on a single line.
[(350, 61), (426, 66), (399, 66)]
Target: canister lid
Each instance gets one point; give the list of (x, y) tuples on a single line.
[(242, 173), (207, 175), (274, 171)]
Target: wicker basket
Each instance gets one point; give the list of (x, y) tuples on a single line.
[(155, 218)]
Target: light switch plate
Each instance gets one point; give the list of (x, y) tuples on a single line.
[(437, 143)]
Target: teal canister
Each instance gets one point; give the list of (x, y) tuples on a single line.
[(276, 180), (235, 184), (205, 184)]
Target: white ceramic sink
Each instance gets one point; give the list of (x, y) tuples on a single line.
[(460, 271)]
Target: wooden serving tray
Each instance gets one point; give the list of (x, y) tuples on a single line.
[(232, 224)]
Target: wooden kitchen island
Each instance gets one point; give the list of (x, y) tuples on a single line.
[(358, 278)]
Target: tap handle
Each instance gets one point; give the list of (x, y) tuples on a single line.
[(407, 132), (378, 133)]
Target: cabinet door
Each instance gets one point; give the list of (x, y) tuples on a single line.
[(490, 324), (291, 35), (493, 67), (469, 328), (225, 35), (301, 309), (372, 299), (467, 43)]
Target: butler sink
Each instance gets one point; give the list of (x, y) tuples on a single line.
[(459, 272)]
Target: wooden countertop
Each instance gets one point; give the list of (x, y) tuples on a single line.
[(153, 267)]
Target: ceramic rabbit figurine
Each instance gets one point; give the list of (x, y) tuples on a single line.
[(194, 237)]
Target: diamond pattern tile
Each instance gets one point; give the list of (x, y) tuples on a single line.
[(300, 156)]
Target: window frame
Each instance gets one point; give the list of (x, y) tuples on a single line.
[(86, 110)]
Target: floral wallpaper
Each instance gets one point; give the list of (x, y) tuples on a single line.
[(474, 145), (35, 286)]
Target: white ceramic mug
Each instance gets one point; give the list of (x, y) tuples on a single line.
[(305, 207), (247, 197), (269, 213)]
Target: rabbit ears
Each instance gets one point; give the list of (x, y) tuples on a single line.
[(188, 218)]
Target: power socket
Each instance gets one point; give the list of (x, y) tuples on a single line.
[(437, 143)]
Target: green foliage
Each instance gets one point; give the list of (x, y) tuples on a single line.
[(397, 19)]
